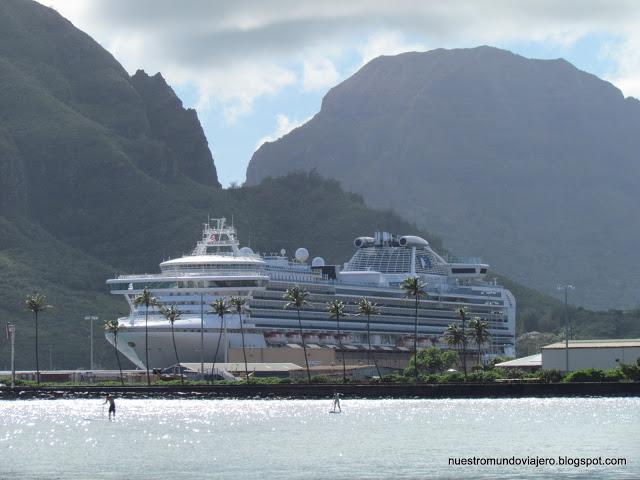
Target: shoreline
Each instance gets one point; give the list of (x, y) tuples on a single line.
[(324, 391)]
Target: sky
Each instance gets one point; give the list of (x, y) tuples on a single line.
[(256, 69)]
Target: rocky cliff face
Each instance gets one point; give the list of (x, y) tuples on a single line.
[(530, 163), (177, 127), (69, 112)]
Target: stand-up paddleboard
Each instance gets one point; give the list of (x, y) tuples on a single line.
[(335, 411)]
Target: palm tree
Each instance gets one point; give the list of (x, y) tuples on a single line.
[(366, 307), (414, 287), (148, 300), (113, 327), (454, 337), (238, 303), (479, 333), (336, 310), (462, 313), (297, 297), (172, 314), (220, 308), (36, 303)]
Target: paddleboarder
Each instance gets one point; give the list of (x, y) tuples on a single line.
[(336, 402), (112, 405)]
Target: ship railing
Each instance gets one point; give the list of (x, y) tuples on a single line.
[(199, 273)]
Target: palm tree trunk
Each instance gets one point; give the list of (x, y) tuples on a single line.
[(244, 352), (344, 365), (115, 344), (175, 349), (146, 343), (375, 362), (464, 349), (304, 347), (37, 359), (415, 343), (213, 365)]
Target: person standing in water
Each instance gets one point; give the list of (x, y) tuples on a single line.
[(336, 402), (112, 406)]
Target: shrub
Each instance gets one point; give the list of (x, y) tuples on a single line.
[(631, 371), (513, 373), (481, 376), (549, 376), (613, 375), (453, 377), (394, 378), (321, 379), (585, 375)]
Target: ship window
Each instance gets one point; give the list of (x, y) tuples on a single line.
[(463, 270), (483, 270)]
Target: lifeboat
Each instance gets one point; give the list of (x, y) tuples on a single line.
[(326, 339), (311, 338), (293, 337), (275, 338), (344, 338)]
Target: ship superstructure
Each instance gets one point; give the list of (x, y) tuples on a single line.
[(218, 268)]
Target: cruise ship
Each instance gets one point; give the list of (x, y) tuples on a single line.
[(218, 268)]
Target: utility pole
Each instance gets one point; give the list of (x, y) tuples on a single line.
[(91, 318), (11, 331), (202, 337), (566, 289)]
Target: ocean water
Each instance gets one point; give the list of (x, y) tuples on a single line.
[(300, 439)]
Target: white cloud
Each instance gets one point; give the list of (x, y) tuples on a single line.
[(236, 88), (319, 74), (283, 126)]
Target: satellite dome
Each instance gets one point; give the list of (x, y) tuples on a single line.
[(317, 262), (302, 254), (283, 252), (246, 251)]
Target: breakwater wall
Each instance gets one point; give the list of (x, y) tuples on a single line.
[(318, 391)]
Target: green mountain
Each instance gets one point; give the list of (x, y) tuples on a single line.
[(531, 164), (102, 173)]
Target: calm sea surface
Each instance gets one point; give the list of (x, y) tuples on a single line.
[(266, 439)]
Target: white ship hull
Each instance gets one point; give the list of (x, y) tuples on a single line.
[(188, 338)]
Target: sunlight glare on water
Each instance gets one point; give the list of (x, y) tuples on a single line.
[(264, 439)]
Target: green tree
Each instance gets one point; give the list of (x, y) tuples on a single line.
[(336, 309), (148, 300), (462, 313), (239, 304), (297, 297), (220, 308), (414, 287), (113, 327), (454, 337), (36, 303), (479, 333), (433, 361), (366, 307), (172, 314)]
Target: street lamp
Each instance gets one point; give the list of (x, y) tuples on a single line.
[(91, 319), (566, 289)]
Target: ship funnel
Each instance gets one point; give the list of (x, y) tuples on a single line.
[(363, 242), (413, 241)]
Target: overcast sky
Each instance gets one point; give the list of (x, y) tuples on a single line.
[(255, 69)]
